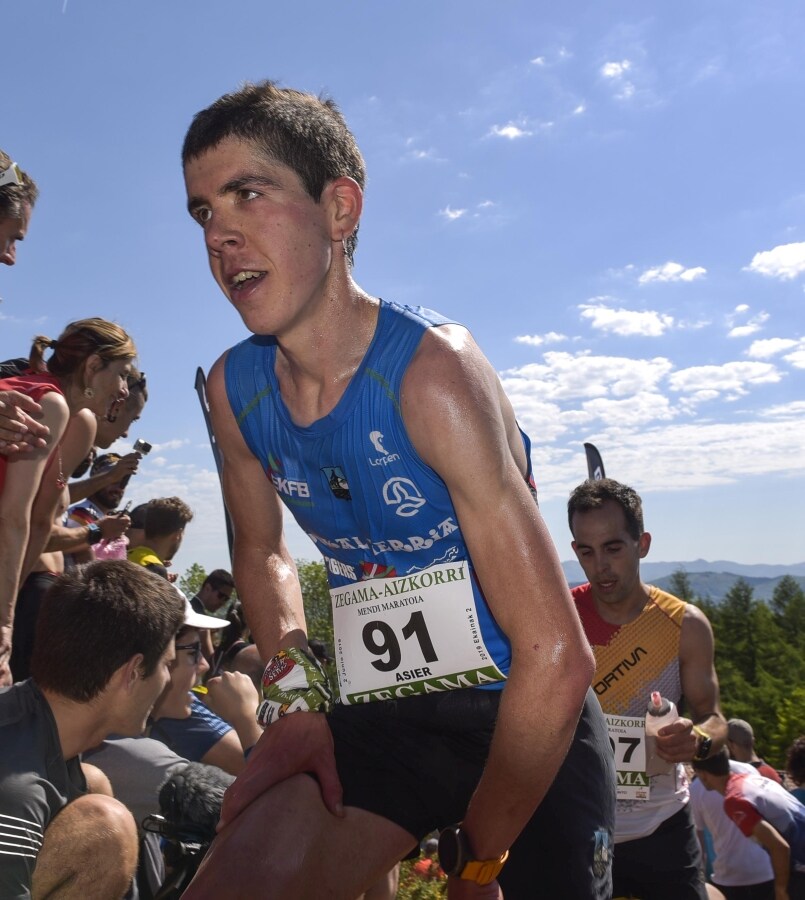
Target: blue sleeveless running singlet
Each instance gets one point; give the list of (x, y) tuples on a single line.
[(409, 613)]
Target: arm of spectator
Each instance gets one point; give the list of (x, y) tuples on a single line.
[(127, 465), (74, 539), (24, 475), (19, 431), (227, 754), (233, 697), (73, 448)]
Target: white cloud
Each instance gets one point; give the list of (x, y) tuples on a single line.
[(537, 340), (785, 261), (616, 69), (793, 410), (626, 322), (452, 214), (631, 412), (732, 379), (742, 307), (510, 131), (763, 349), (615, 73), (689, 456), (581, 108), (671, 271), (564, 376), (539, 61), (797, 358), (751, 327)]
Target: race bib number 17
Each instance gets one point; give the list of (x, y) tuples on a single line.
[(627, 737)]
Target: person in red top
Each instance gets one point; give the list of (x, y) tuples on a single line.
[(87, 370), (767, 812)]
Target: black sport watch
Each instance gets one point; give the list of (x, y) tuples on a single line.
[(704, 745), (94, 533), (457, 859)]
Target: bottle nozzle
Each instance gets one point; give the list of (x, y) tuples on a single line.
[(656, 700)]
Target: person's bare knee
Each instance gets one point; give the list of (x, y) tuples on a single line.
[(97, 781), (313, 854), (89, 852)]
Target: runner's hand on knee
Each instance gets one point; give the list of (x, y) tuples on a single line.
[(293, 745)]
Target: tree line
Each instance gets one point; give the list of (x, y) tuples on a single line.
[(760, 659)]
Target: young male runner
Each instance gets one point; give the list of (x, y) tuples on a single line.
[(373, 423)]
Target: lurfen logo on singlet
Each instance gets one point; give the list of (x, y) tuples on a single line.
[(602, 686), (376, 439)]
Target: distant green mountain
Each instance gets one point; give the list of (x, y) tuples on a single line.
[(715, 585), (708, 580)]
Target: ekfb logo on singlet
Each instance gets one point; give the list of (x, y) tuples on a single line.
[(285, 483)]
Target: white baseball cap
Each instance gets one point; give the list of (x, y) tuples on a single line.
[(193, 619)]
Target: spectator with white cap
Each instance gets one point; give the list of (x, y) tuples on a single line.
[(220, 735)]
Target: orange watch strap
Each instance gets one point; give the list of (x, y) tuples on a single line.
[(484, 871)]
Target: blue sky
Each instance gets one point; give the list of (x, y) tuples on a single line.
[(611, 196)]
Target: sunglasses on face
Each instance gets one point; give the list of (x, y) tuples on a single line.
[(195, 651)]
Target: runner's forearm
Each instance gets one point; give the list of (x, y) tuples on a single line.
[(535, 726)]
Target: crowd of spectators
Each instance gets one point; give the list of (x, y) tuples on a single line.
[(98, 647)]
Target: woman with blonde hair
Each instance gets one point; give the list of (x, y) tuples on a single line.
[(87, 369)]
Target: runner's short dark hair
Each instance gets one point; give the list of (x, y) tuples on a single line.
[(302, 131), (717, 764), (591, 494)]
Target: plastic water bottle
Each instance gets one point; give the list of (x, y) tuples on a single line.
[(660, 712)]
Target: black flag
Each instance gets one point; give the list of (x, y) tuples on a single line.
[(595, 465), (201, 390)]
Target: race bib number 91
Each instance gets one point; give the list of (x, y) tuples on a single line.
[(414, 634), (627, 737)]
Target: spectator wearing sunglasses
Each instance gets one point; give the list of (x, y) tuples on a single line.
[(213, 597), (219, 733)]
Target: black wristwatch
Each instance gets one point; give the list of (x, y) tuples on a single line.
[(704, 745), (94, 533), (457, 859)]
